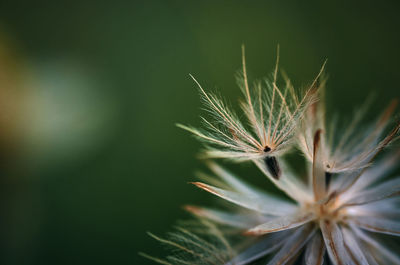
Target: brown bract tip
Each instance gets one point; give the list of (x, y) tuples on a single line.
[(204, 187), (389, 110), (249, 233), (192, 209), (317, 137)]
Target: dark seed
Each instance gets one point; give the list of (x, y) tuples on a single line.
[(328, 177), (267, 149), (273, 167)]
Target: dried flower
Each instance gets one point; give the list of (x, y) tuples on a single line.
[(334, 215), (316, 219)]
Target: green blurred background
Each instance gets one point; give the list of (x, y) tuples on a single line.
[(90, 92)]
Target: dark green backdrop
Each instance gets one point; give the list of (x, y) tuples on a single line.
[(95, 206)]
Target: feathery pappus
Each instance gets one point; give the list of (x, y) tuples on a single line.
[(339, 225), (316, 220), (197, 241), (273, 115), (338, 213), (354, 147)]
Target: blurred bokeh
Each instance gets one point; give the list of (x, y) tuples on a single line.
[(90, 92)]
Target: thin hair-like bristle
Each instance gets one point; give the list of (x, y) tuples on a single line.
[(158, 260)]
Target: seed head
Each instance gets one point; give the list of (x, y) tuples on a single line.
[(273, 116), (333, 213)]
